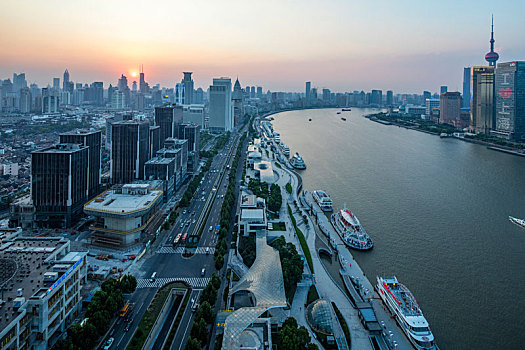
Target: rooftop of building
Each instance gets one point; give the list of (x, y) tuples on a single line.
[(248, 200), (128, 200), (62, 148), (252, 214), (160, 161), (265, 171), (30, 267), (81, 132)]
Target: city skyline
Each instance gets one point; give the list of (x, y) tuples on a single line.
[(350, 46)]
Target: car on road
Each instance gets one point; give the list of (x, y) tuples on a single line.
[(194, 221), (203, 272), (207, 250), (211, 228), (109, 343), (184, 212), (195, 306)]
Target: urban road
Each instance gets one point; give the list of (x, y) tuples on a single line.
[(167, 261)]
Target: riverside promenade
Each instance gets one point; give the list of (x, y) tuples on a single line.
[(326, 286)]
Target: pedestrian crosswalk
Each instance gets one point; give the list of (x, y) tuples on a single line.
[(194, 282), (180, 250)]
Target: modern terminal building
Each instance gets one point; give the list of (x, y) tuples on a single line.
[(252, 216), (121, 214), (41, 280)]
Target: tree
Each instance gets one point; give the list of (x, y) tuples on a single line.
[(219, 262), (100, 320), (206, 312), (215, 281), (192, 344), (199, 330), (293, 338)]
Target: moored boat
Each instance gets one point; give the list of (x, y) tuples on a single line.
[(519, 222), (350, 230), (323, 200), (297, 162), (403, 305)]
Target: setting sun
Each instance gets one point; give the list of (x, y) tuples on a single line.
[(134, 74)]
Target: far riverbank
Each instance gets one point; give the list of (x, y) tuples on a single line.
[(432, 128)]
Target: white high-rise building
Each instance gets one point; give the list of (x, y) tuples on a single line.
[(221, 108)]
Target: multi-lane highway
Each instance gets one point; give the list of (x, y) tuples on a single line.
[(167, 261)]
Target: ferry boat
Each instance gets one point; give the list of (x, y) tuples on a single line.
[(343, 119), (323, 200), (297, 162), (346, 109), (350, 230), (405, 308), (519, 222), (338, 112)]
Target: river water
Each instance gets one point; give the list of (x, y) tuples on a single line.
[(437, 210)]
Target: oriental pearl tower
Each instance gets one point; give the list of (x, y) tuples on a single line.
[(492, 56)]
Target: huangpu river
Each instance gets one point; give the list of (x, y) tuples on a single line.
[(437, 210)]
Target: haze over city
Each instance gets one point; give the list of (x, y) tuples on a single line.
[(405, 46), (264, 175)]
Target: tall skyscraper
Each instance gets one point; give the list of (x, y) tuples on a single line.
[(237, 101), (326, 95), (510, 100), (466, 87), (25, 100), (129, 150), (97, 90), (65, 81), (19, 82), (492, 57), (308, 91), (443, 89), (377, 98), (482, 105), (187, 83), (168, 117), (259, 92), (49, 100), (252, 92), (93, 140), (449, 107), (221, 108), (59, 184), (142, 81), (389, 98), (56, 83)]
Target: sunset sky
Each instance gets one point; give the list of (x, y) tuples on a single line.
[(345, 45)]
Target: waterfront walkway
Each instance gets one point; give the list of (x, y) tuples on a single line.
[(326, 287)]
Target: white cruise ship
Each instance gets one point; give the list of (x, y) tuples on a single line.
[(297, 162), (405, 308), (323, 200), (519, 222), (350, 230)]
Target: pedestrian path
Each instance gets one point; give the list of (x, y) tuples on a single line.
[(194, 282), (180, 250)]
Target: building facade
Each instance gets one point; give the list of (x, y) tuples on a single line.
[(450, 105), (130, 148), (482, 103), (168, 117), (59, 184), (93, 140), (44, 297), (510, 100), (221, 108)]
